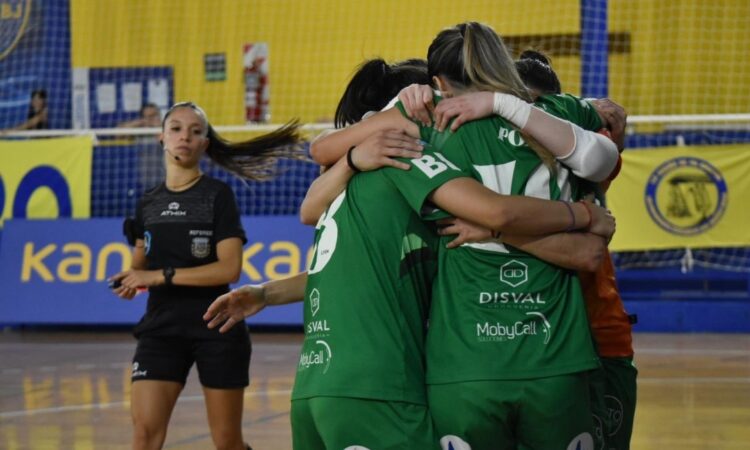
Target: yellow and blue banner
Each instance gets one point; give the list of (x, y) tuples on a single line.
[(682, 197), (46, 178), (55, 271)]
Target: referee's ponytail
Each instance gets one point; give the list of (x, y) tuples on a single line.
[(253, 159)]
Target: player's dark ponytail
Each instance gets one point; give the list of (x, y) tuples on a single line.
[(536, 72), (374, 84)]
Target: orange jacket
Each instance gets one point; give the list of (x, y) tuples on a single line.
[(610, 323)]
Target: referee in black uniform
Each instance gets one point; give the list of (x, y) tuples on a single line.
[(188, 247)]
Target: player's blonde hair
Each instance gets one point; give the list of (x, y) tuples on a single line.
[(472, 57)]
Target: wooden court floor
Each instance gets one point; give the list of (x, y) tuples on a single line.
[(63, 390)]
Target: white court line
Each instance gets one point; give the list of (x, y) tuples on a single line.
[(104, 406), (192, 398), (690, 351), (101, 406), (8, 346), (693, 380)]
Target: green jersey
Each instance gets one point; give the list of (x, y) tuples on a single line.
[(368, 288), (571, 108), (499, 313)]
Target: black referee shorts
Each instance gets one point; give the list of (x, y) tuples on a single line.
[(222, 363)]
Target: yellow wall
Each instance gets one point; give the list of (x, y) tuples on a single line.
[(314, 45), (687, 56)]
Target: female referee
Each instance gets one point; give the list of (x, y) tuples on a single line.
[(188, 246)]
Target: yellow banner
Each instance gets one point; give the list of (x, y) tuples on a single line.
[(46, 178), (679, 197)]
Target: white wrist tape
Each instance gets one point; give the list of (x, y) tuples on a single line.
[(511, 108), (593, 156)]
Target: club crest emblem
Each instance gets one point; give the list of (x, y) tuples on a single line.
[(200, 247)]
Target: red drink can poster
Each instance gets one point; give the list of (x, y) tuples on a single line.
[(257, 92)]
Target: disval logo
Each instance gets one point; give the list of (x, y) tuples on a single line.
[(316, 328), (686, 196), (314, 301), (514, 273)]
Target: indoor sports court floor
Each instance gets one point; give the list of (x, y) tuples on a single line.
[(64, 390)]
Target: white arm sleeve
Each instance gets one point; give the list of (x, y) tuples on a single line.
[(512, 108), (593, 156)]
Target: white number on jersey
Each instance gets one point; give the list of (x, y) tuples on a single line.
[(499, 178), (329, 234)]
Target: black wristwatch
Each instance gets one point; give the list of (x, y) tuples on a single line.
[(168, 275)]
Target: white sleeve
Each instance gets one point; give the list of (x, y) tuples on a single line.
[(593, 156)]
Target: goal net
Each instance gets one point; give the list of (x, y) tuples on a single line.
[(679, 68)]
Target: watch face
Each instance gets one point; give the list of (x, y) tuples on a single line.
[(168, 274)]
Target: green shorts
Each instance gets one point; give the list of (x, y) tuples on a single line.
[(340, 423), (542, 413), (613, 398)]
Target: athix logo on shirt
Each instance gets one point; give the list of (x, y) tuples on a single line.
[(173, 209), (500, 332), (431, 166)]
